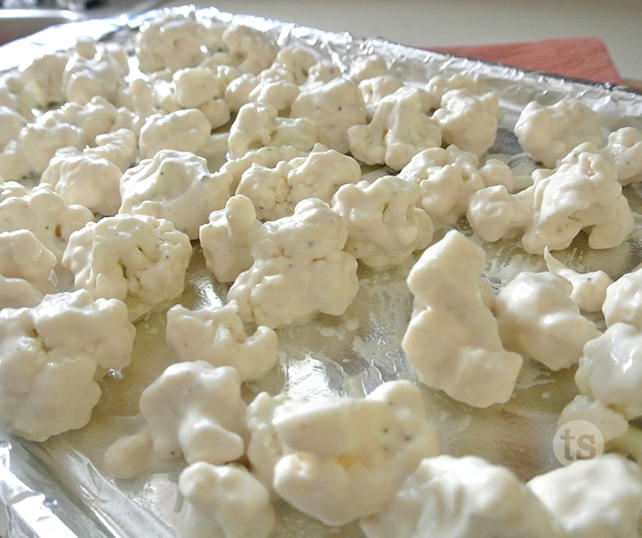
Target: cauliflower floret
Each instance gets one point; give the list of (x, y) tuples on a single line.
[(183, 130), (537, 318), (250, 50), (275, 192), (437, 86), (274, 86), (452, 340), (548, 133), (385, 226), (84, 179), (43, 78), (468, 497), (11, 123), (268, 156), (623, 301), (299, 268), (72, 125), (493, 213), (95, 70), (258, 125), (467, 120), (589, 289), (323, 71), (367, 66), (16, 96), (593, 498), (576, 196), (624, 151), (610, 423), (43, 213), (610, 369), (194, 410), (228, 237), (217, 335), (51, 356), (177, 186), (26, 270), (229, 498), (119, 147), (327, 452), (138, 259), (170, 41), (297, 61), (448, 178), (374, 89), (398, 131), (333, 107), (582, 194)]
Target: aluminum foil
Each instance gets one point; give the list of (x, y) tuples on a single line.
[(59, 488)]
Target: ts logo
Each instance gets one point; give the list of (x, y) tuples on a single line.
[(577, 440)]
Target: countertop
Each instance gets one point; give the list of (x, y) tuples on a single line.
[(437, 23)]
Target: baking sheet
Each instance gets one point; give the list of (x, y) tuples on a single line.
[(62, 479)]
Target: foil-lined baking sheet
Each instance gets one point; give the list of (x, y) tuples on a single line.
[(59, 489)]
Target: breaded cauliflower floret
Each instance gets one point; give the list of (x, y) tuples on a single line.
[(138, 259), (623, 300), (467, 497), (193, 410), (71, 125), (610, 369), (582, 194), (217, 335), (258, 125), (15, 95), (366, 66), (323, 455), (26, 269), (275, 192), (299, 269), (468, 120), (384, 223), (228, 237), (537, 318), (119, 147), (183, 130), (398, 131), (594, 497), (177, 186), (171, 41), (548, 133), (249, 50), (10, 125), (268, 156), (494, 213), (204, 88), (452, 341), (43, 77), (589, 289), (375, 89), (229, 498), (448, 178), (623, 150), (333, 107), (51, 358), (297, 60), (438, 85), (84, 179), (45, 214), (95, 69)]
